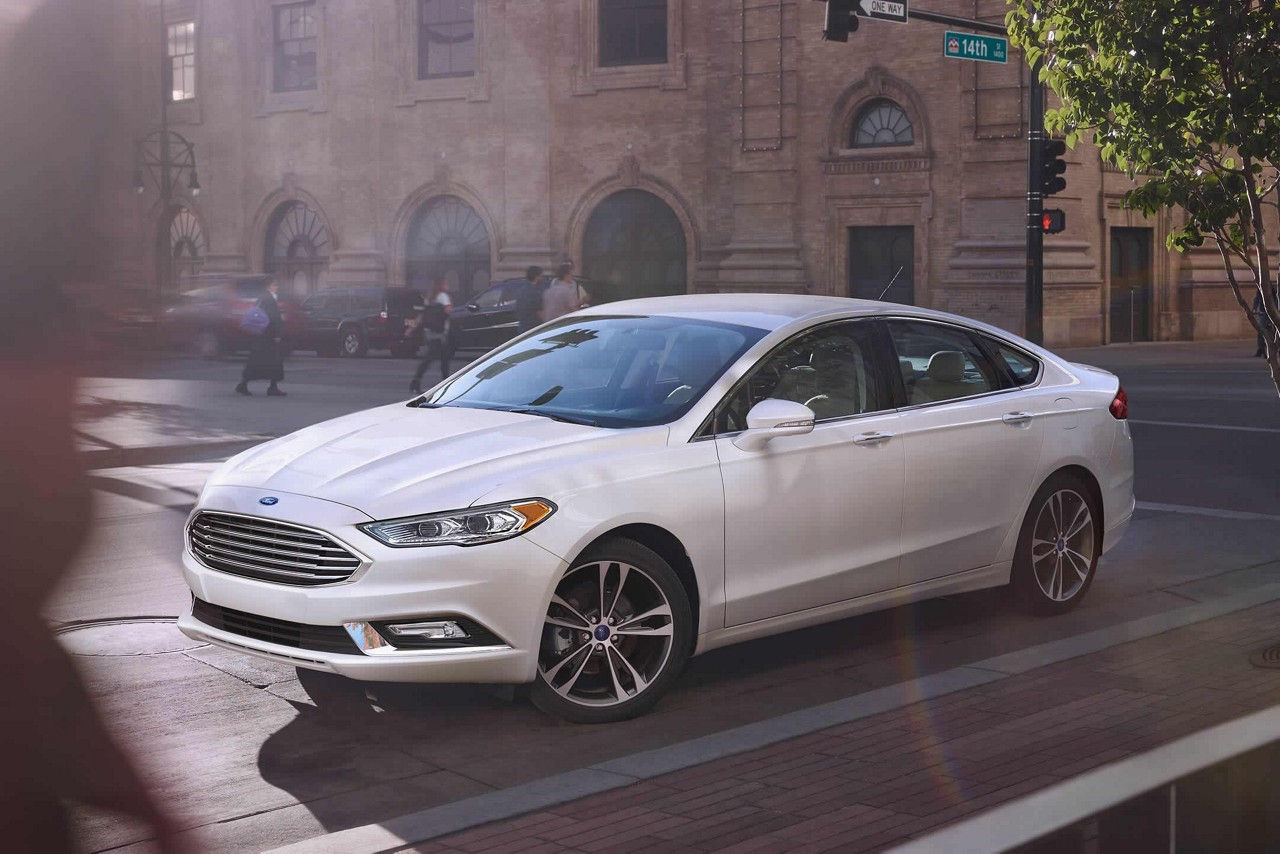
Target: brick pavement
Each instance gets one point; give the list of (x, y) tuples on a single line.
[(880, 780)]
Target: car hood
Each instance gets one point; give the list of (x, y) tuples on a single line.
[(398, 460)]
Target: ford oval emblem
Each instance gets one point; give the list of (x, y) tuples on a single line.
[(269, 500)]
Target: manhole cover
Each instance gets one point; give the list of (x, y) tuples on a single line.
[(125, 636), (1268, 657)]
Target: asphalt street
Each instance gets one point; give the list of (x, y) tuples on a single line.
[(252, 756)]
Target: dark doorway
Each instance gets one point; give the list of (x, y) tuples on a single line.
[(1131, 284), (634, 246), (876, 254)]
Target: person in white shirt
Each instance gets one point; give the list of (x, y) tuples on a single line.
[(434, 321), (563, 295)]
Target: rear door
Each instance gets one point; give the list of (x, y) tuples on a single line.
[(474, 327), (972, 441)]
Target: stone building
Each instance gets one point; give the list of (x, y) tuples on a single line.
[(666, 145)]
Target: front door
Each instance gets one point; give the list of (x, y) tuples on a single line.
[(811, 520), (1131, 284), (971, 454), (876, 255)]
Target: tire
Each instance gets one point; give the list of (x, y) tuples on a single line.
[(351, 342), (589, 680), (1055, 542)]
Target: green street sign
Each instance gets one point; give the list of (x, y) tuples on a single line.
[(969, 46)]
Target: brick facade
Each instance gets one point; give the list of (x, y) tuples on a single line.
[(743, 133)]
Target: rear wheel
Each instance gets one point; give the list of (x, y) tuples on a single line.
[(1058, 546), (351, 342), (616, 635)]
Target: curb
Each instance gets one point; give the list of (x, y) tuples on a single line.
[(189, 452)]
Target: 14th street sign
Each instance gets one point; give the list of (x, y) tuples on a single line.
[(882, 10), (969, 46)]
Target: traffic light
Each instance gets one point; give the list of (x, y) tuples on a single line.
[(840, 21), (1052, 167), (1053, 221)]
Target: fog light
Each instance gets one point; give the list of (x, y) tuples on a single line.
[(433, 630)]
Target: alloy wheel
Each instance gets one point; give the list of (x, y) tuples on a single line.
[(351, 343), (1063, 545), (607, 634)]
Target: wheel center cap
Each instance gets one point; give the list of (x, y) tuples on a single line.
[(1062, 545), (602, 632)]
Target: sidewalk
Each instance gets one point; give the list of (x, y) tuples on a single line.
[(885, 778)]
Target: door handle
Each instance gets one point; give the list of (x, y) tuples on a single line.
[(1016, 418), (871, 438)]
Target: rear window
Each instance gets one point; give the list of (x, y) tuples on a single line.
[(250, 288), (403, 300)]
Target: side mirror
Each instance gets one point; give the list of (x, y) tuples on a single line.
[(772, 418)]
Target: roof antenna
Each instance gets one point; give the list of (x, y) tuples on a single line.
[(891, 281)]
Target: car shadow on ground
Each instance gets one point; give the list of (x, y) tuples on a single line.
[(363, 752)]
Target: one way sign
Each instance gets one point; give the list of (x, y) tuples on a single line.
[(882, 10)]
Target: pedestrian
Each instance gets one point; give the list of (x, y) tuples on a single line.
[(266, 359), (563, 295), (529, 302), (1264, 324), (434, 321)]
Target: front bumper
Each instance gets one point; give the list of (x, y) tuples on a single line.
[(502, 586)]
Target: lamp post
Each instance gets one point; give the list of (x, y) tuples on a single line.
[(164, 156)]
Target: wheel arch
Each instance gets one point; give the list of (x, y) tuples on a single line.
[(668, 546)]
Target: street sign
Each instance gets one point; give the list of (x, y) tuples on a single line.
[(882, 10), (969, 46)]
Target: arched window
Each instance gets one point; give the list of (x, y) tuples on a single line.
[(187, 245), (634, 246), (447, 238), (297, 248), (880, 123)]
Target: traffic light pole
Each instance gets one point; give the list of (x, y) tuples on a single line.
[(1033, 327)]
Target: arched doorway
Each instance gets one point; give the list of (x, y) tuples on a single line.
[(186, 247), (634, 246), (297, 248), (447, 238)]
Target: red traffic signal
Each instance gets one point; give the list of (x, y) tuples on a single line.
[(1053, 221)]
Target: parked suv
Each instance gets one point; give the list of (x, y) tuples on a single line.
[(206, 318), (351, 321)]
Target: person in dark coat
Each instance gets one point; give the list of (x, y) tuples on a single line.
[(266, 358), (529, 303)]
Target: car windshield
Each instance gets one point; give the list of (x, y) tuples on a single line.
[(607, 371)]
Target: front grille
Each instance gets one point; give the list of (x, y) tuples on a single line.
[(282, 632), (268, 550)]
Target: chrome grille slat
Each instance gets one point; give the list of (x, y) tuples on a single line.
[(268, 550), (228, 541), (206, 527)]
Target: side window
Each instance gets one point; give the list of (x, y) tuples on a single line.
[(489, 298), (831, 371), (315, 304), (1024, 368), (940, 362), (510, 293)]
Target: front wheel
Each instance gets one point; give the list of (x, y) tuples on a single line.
[(352, 343), (1058, 546), (616, 635)]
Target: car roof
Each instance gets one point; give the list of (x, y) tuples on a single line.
[(762, 311)]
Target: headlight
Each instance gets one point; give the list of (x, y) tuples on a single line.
[(469, 527)]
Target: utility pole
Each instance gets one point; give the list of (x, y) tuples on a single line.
[(163, 249), (1034, 317)]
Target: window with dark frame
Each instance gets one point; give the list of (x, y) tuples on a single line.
[(295, 47), (182, 61), (632, 32), (446, 38), (881, 123)]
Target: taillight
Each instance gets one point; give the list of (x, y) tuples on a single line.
[(1119, 405)]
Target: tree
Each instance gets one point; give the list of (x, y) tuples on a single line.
[(1185, 96)]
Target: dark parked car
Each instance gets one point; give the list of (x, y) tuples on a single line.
[(206, 318), (351, 321), (489, 319)]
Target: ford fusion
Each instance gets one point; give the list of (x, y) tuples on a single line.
[(633, 484)]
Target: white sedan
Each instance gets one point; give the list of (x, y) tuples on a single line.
[(598, 500)]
